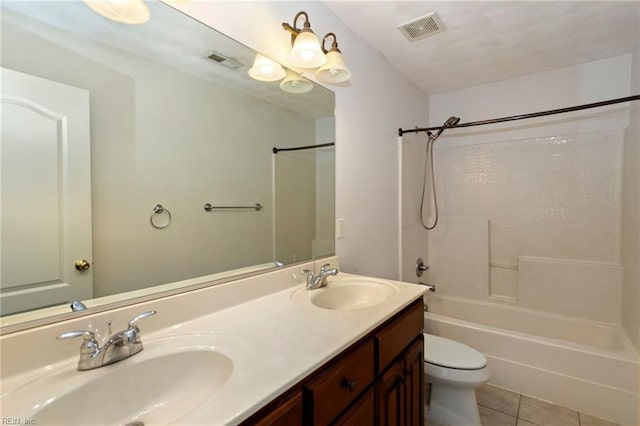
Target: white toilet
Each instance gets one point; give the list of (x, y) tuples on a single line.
[(453, 371)]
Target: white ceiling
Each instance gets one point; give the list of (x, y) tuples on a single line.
[(489, 41)]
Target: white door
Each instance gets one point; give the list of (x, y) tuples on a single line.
[(45, 198)]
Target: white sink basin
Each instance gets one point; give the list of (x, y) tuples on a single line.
[(170, 378), (347, 294)]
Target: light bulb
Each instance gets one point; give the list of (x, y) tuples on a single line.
[(335, 70), (264, 69), (306, 51), (124, 11), (295, 83)]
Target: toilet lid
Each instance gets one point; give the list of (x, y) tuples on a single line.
[(451, 354)]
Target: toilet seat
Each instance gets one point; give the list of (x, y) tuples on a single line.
[(447, 353)]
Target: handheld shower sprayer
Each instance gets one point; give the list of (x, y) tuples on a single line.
[(451, 122)]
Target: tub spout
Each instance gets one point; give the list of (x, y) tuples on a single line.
[(430, 287)]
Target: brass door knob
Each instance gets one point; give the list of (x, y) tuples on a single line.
[(82, 265)]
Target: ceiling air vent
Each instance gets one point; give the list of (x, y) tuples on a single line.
[(422, 27), (223, 60)]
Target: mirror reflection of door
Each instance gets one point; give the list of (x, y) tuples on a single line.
[(45, 199)]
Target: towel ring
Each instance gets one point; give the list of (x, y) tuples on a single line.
[(158, 210)]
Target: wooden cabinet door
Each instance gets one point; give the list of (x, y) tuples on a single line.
[(414, 378), (400, 390), (392, 396)]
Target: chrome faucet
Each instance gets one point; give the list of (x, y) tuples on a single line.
[(77, 306), (320, 280), (120, 345)]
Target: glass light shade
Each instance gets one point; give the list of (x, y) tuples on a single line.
[(295, 83), (335, 70), (125, 11), (264, 69), (306, 51)]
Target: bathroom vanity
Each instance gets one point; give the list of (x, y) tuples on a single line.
[(260, 350), (377, 380)]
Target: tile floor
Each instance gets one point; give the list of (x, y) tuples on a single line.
[(501, 407)]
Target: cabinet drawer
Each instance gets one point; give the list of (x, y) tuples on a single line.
[(340, 383), (361, 414), (396, 336)]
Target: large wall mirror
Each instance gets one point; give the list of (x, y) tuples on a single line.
[(137, 159)]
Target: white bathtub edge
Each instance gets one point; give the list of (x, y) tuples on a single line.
[(591, 398), (597, 383)]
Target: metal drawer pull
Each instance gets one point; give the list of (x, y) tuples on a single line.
[(349, 384)]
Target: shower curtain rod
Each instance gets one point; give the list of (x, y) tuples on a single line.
[(523, 116), (276, 150)]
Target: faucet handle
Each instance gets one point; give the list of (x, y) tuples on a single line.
[(308, 276), (324, 267), (133, 321), (88, 335), (89, 345)]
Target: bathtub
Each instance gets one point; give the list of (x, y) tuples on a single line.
[(588, 366)]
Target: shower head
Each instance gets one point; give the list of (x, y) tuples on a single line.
[(451, 121)]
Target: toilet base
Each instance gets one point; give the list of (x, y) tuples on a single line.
[(453, 406)]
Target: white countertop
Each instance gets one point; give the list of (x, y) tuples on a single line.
[(288, 341), (274, 341)]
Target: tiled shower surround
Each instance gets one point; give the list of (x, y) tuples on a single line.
[(526, 259), (550, 209)]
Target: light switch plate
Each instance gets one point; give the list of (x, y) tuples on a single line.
[(339, 228)]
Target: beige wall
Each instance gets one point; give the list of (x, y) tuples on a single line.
[(324, 242), (295, 213), (631, 214), (369, 111), (141, 156)]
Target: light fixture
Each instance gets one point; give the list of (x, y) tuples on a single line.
[(335, 70), (124, 11), (295, 83), (306, 51), (264, 69)]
